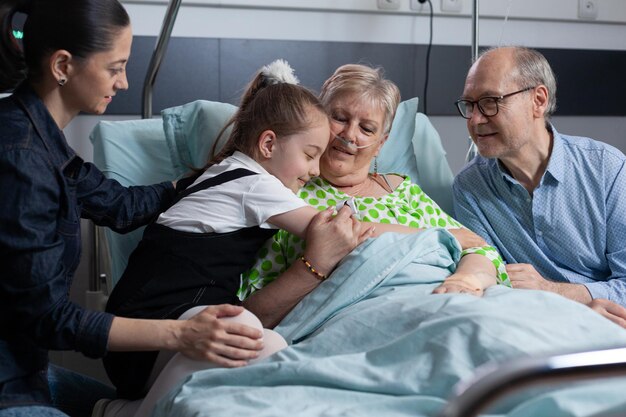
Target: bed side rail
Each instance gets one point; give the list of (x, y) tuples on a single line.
[(157, 56), (98, 277), (493, 382)]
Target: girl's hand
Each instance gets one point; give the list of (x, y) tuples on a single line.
[(466, 283), (330, 238), (206, 336)]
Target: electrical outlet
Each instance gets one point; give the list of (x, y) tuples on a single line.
[(588, 9), (417, 6), (389, 4), (452, 6)]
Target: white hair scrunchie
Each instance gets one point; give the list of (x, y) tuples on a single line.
[(279, 71)]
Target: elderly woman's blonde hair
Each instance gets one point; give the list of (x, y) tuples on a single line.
[(369, 82)]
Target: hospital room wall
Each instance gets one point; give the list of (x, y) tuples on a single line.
[(535, 23)]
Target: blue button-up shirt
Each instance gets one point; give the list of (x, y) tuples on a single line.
[(45, 188), (571, 229)]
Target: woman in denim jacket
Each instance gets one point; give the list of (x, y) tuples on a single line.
[(73, 59)]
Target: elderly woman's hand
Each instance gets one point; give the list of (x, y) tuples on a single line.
[(329, 238), (467, 238), (466, 283)]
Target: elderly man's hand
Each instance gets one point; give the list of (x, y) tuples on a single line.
[(525, 276), (612, 311)]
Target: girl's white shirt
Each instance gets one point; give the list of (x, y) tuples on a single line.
[(244, 202)]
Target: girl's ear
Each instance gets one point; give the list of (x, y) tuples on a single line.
[(60, 65), (267, 143)]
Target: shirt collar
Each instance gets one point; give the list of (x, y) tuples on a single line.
[(556, 164), (501, 169), (248, 162)]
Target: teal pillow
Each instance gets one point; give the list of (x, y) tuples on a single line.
[(190, 131), (414, 148), (132, 152)]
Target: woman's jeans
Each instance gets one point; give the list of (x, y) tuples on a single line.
[(72, 394), (31, 411)]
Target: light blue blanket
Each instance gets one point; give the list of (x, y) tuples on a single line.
[(373, 341)]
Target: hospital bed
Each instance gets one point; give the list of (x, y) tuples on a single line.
[(152, 150)]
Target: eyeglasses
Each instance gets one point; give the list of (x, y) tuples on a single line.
[(488, 106)]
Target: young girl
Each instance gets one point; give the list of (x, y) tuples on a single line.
[(194, 253)]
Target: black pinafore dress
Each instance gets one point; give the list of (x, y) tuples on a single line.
[(172, 271)]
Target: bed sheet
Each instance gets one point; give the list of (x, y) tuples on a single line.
[(374, 341)]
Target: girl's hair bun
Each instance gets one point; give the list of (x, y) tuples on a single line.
[(279, 71)]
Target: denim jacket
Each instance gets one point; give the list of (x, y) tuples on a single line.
[(45, 188)]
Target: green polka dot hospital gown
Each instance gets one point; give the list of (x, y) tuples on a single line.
[(407, 205)]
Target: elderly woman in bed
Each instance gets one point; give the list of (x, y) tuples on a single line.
[(362, 105)]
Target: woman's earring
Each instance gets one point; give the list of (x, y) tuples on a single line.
[(62, 82), (375, 166)]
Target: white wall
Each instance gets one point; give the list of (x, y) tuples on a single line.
[(534, 23), (539, 23)]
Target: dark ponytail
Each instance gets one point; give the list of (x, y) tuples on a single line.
[(12, 66), (81, 27)]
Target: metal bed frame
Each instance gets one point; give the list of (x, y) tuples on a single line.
[(490, 383), (97, 281)]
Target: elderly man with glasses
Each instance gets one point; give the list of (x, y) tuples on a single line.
[(553, 205)]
